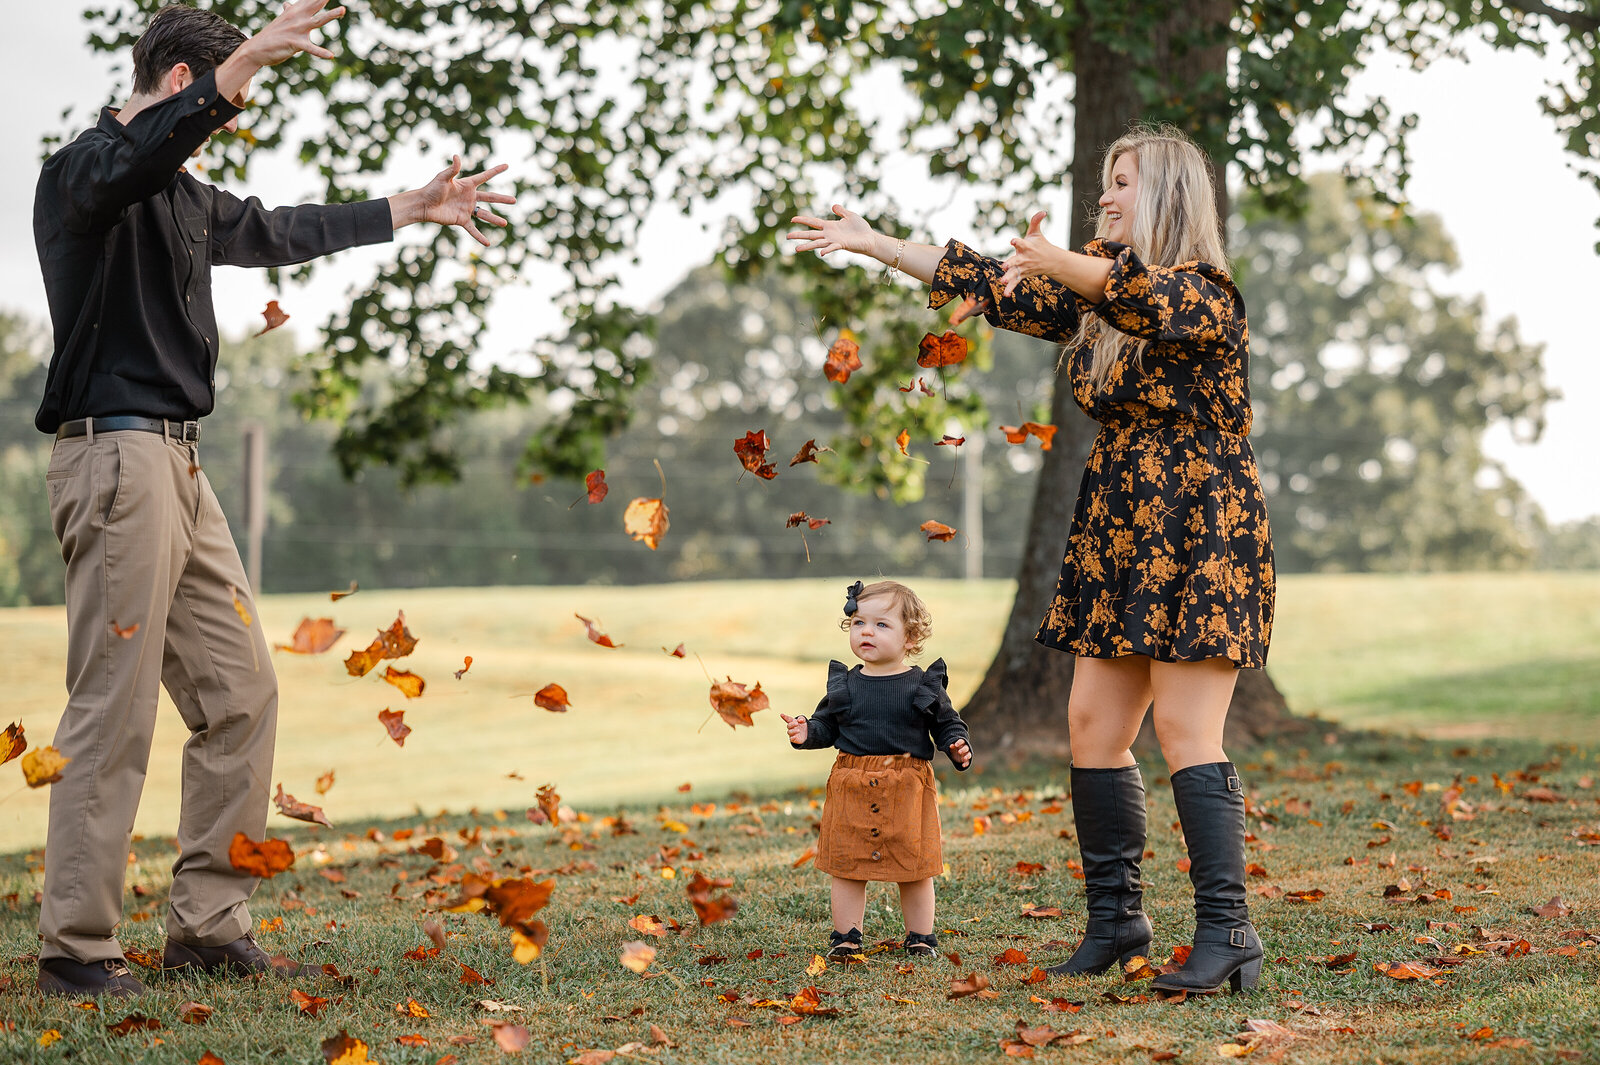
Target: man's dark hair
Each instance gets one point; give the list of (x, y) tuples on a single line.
[(181, 34)]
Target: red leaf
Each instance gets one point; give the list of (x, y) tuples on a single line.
[(967, 308), (938, 531), (950, 441), (1016, 434), (466, 664), (735, 703), (596, 484), (395, 722), (676, 652), (947, 350), (752, 451), (265, 859), (595, 634), (552, 697), (808, 453)]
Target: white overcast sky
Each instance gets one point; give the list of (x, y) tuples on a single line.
[(1486, 160)]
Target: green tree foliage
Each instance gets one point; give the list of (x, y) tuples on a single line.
[(30, 558), (1373, 391)]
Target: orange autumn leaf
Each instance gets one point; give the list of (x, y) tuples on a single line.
[(552, 697), (466, 664), (596, 485), (311, 637), (805, 856), (708, 909), (289, 806), (844, 358), (352, 590), (936, 530), (125, 633), (647, 924), (549, 802), (677, 652), (1012, 956), (752, 451), (274, 315), (799, 518), (901, 441), (412, 1008), (208, 1058), (947, 350), (324, 782), (972, 985), (134, 1022), (595, 633), (473, 977), (967, 308), (511, 1038), (13, 741), (265, 859), (395, 722), (528, 942), (646, 520), (345, 1049), (310, 1005), (412, 1040), (1406, 970), (42, 766), (1016, 434), (808, 453), (735, 703), (950, 441), (636, 956), (516, 899), (394, 642), (409, 683), (194, 1013)]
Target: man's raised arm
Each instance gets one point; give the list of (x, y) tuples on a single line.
[(284, 38)]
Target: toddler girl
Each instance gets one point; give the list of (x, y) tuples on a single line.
[(880, 820)]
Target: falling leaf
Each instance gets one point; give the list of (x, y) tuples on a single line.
[(466, 664), (394, 642), (194, 1013), (311, 637), (553, 697), (395, 722), (239, 607), (737, 704), (808, 453), (525, 946), (125, 633), (844, 358), (1016, 434), (344, 1049), (265, 859), (752, 451), (595, 633), (511, 1038), (806, 856), (901, 441), (710, 910), (972, 985), (274, 316), (13, 741), (967, 308), (938, 531), (799, 518), (947, 350), (646, 520), (549, 802), (950, 441), (596, 484), (409, 683), (42, 766), (676, 652), (289, 806), (352, 590), (637, 956)]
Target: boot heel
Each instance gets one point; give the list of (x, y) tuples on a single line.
[(1246, 976)]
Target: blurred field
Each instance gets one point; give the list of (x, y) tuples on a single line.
[(1449, 656)]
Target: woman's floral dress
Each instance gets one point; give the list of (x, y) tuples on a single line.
[(1169, 555)]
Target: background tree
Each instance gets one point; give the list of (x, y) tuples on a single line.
[(614, 103)]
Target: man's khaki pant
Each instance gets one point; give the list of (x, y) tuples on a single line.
[(146, 545)]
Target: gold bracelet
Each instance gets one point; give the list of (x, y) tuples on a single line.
[(894, 268)]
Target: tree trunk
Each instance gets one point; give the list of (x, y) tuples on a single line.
[(1022, 700)]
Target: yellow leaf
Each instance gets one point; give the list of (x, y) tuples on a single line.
[(524, 949), (239, 607), (42, 766), (636, 956), (818, 966), (49, 1037)]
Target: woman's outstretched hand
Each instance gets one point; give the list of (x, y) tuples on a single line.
[(848, 232), (1033, 257), (797, 728)]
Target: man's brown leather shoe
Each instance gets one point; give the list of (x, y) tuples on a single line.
[(240, 958), (63, 976)]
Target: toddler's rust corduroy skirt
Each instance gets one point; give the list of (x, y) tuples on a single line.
[(880, 819)]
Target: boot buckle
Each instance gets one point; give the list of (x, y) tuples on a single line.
[(1236, 937)]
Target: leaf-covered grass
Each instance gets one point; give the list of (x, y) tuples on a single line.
[(1468, 655), (1316, 814)]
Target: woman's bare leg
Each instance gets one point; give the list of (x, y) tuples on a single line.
[(1191, 705), (1107, 705)]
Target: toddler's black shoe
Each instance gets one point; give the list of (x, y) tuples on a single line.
[(925, 946), (844, 944)]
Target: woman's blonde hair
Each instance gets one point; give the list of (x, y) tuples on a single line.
[(913, 612), (1174, 221)]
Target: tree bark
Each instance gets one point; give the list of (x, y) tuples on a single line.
[(1022, 701)]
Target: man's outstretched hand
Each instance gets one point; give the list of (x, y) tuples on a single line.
[(452, 199), (283, 38)]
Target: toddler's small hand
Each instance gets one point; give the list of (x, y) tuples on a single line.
[(961, 753), (797, 728)]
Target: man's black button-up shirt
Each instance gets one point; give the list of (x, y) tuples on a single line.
[(126, 242)]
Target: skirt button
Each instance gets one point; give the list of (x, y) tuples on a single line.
[(874, 855)]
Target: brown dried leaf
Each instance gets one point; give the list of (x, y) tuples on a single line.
[(289, 806), (395, 722), (646, 520), (312, 637)]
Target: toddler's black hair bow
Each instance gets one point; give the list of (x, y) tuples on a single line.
[(850, 594)]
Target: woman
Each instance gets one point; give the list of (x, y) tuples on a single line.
[(1167, 585)]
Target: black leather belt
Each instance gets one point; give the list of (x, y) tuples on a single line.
[(183, 432)]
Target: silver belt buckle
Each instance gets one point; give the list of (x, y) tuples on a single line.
[(190, 433)]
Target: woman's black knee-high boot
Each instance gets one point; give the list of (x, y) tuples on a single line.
[(1226, 949), (1108, 809)]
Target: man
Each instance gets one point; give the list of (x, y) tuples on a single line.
[(126, 241)]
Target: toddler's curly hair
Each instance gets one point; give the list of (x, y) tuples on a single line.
[(913, 612)]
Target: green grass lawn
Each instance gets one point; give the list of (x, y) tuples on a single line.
[(1450, 656)]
